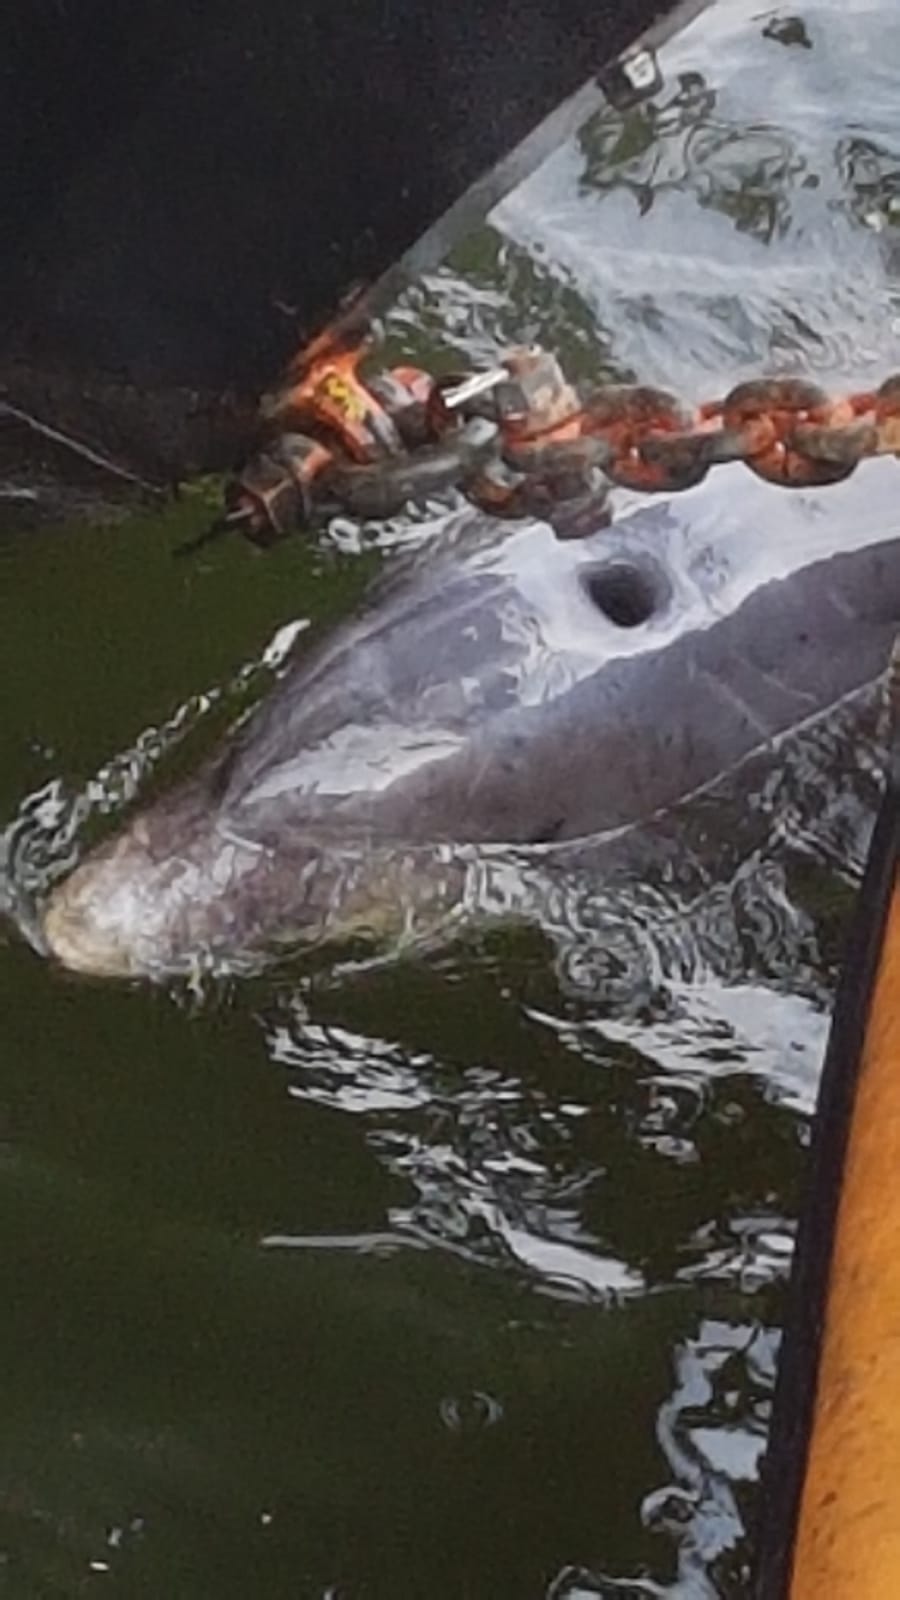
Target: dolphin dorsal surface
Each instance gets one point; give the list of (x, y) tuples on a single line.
[(502, 687), (528, 689)]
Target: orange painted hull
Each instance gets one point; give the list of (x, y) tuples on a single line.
[(830, 1506), (848, 1536)]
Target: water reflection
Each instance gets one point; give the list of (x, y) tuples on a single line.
[(711, 1430), (743, 220)]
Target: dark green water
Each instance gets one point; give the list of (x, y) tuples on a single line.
[(455, 1279)]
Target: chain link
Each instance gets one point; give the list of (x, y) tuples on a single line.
[(787, 430), (518, 438)]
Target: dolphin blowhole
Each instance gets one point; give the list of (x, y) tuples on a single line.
[(628, 591)]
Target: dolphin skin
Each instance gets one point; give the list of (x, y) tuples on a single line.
[(502, 686)]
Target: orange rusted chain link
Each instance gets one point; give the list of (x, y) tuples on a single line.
[(786, 430), (519, 439)]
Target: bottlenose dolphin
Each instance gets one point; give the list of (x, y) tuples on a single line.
[(500, 686)]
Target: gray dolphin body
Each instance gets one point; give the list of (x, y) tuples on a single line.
[(502, 687)]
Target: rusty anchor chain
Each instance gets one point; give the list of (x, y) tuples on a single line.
[(519, 439)]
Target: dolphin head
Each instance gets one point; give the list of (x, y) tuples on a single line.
[(157, 896), (511, 692)]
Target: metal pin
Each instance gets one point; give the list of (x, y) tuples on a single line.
[(470, 388), (222, 525)]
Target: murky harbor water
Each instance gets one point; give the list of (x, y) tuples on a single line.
[(460, 1275)]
